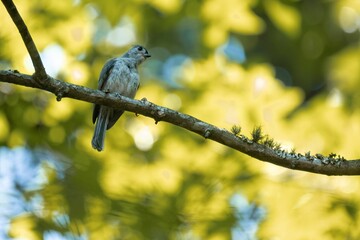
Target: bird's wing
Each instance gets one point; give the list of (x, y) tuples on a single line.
[(105, 72)]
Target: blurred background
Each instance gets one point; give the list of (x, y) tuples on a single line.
[(290, 66)]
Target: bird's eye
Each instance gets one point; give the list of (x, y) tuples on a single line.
[(140, 48)]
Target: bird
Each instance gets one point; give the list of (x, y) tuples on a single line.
[(118, 75)]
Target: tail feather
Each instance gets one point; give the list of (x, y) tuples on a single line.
[(100, 129)]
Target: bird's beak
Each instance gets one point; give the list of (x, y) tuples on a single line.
[(147, 55)]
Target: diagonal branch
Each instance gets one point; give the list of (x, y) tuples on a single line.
[(25, 34), (317, 164), (330, 165)]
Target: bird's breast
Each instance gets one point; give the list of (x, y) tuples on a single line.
[(124, 79)]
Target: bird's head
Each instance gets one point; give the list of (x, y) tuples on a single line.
[(139, 53)]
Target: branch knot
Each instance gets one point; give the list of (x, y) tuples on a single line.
[(61, 92)]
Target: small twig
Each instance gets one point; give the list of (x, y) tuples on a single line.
[(40, 73)]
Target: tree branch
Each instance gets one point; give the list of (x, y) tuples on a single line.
[(263, 150), (330, 165), (29, 43)]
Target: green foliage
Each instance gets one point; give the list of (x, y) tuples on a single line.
[(257, 134), (159, 181), (293, 151), (236, 130), (268, 141)]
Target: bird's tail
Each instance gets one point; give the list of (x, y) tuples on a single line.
[(100, 129)]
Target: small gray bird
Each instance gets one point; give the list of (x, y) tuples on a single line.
[(119, 75)]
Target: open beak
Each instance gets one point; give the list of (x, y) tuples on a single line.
[(147, 55)]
